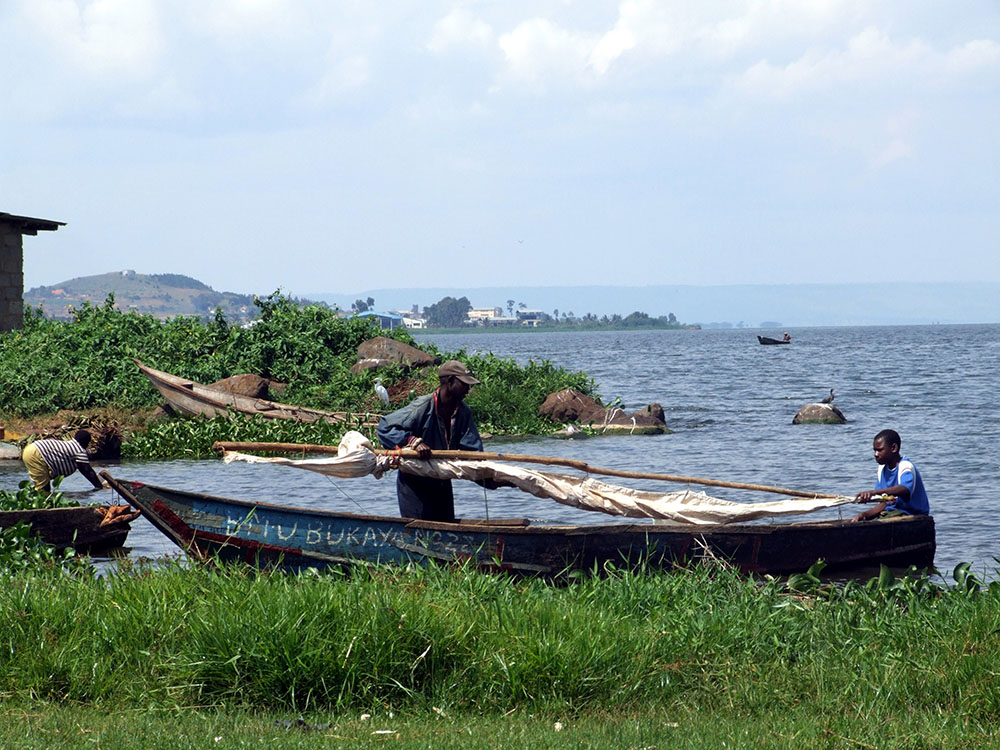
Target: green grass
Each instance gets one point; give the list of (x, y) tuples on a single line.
[(43, 726), (413, 641)]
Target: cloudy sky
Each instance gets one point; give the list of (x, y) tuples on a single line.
[(319, 146)]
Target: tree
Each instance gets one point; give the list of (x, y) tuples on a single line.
[(360, 306), (637, 319), (448, 312), (510, 308), (371, 303)]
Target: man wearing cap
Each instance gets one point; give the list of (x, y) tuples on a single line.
[(438, 421)]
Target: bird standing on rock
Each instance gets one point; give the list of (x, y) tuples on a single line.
[(381, 392), (828, 399)]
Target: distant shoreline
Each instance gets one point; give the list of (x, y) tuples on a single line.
[(546, 329)]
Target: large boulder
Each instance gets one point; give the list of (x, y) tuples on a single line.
[(384, 352), (819, 414), (246, 384), (570, 406)]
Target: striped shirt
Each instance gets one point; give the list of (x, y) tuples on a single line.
[(62, 456)]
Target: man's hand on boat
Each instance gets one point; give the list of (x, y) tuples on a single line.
[(868, 497)]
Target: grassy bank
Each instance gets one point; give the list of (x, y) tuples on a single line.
[(438, 650)]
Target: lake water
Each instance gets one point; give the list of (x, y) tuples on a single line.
[(730, 404)]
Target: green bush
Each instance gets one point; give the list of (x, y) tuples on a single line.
[(87, 363)]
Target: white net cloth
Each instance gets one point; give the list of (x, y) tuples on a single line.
[(356, 458)]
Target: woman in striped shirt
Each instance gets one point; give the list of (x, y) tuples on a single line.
[(50, 458)]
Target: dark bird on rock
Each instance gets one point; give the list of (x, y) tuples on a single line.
[(828, 399)]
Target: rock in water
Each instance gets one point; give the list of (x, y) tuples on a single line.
[(819, 414)]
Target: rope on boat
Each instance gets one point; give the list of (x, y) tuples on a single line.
[(523, 458)]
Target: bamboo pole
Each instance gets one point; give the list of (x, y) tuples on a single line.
[(522, 458)]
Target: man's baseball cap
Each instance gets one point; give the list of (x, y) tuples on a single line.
[(455, 368)]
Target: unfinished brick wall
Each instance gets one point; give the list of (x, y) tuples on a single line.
[(11, 278)]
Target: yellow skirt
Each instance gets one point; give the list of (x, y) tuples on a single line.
[(38, 470)]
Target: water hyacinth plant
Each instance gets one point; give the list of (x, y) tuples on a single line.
[(309, 348)]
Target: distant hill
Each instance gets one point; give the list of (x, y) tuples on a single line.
[(164, 295)]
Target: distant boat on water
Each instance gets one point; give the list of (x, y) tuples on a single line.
[(768, 340)]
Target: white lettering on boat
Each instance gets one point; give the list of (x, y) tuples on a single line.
[(334, 536)]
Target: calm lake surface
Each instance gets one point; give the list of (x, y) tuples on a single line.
[(730, 403)]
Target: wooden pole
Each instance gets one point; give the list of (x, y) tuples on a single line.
[(521, 458)]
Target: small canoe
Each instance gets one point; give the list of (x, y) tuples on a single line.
[(89, 529), (266, 534), (194, 399), (769, 341)]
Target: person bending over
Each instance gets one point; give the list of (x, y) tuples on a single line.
[(438, 421), (51, 458), (898, 479)]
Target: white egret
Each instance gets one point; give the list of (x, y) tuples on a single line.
[(381, 392)]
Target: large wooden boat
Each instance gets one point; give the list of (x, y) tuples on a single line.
[(266, 534), (89, 529), (194, 399)]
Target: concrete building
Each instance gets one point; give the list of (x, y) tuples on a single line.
[(12, 230), (478, 314)]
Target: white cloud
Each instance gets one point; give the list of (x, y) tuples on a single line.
[(457, 30), (538, 52), (973, 56), (870, 60), (610, 47)]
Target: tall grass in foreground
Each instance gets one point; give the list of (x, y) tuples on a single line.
[(412, 640)]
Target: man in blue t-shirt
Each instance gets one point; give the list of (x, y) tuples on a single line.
[(899, 487)]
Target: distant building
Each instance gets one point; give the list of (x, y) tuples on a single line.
[(489, 317), (477, 314), (530, 318), (12, 230), (386, 321)]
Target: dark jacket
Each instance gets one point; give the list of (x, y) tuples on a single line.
[(419, 419), (427, 498)]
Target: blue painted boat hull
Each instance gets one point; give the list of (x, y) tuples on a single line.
[(267, 534)]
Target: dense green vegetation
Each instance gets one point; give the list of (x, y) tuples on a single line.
[(22, 552), (27, 497), (891, 658), (87, 363)]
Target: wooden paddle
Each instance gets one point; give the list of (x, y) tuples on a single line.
[(520, 458)]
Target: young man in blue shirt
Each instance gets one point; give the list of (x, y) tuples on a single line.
[(898, 480)]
